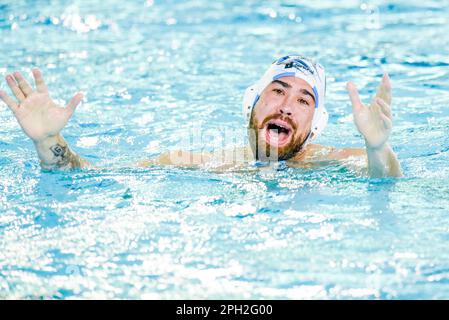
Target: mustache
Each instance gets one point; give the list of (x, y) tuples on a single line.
[(280, 117)]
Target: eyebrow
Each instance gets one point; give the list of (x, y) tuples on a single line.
[(286, 85)]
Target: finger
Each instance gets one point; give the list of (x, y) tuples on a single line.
[(388, 124), (384, 90), (40, 83), (354, 96), (10, 102), (23, 84), (387, 88), (386, 109), (386, 80), (74, 102), (15, 88)]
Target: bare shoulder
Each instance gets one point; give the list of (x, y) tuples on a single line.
[(346, 153), (318, 155), (320, 152)]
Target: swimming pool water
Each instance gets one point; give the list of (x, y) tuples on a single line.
[(153, 71)]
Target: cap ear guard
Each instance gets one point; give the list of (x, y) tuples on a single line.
[(319, 122), (249, 100), (321, 116)]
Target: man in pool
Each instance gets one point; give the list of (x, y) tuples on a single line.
[(284, 109)]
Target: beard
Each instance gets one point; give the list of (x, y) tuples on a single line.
[(266, 152)]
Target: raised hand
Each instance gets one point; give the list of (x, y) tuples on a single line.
[(374, 122), (38, 115), (42, 120)]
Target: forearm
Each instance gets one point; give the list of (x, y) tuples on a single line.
[(382, 162), (54, 153)]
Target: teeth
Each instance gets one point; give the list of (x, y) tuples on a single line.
[(280, 126)]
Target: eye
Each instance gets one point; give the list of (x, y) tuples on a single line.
[(303, 101), (278, 91)]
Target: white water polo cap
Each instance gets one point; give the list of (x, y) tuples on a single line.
[(293, 66)]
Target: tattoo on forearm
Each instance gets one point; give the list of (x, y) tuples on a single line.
[(65, 157), (58, 150)]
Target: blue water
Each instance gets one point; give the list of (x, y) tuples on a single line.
[(154, 71)]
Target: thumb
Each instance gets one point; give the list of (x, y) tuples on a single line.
[(354, 96), (73, 103)]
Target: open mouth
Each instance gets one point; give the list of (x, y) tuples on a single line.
[(278, 132)]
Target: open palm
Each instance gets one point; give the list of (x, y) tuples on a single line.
[(374, 122), (38, 115)]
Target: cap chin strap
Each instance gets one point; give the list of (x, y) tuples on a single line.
[(306, 140)]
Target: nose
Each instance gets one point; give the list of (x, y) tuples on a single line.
[(285, 110)]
